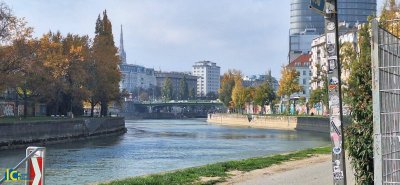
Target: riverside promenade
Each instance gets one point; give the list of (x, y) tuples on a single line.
[(310, 171)]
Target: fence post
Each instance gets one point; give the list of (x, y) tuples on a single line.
[(376, 104)]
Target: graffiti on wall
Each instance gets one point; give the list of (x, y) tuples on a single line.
[(6, 109)]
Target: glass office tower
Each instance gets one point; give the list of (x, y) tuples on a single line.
[(302, 18), (350, 11)]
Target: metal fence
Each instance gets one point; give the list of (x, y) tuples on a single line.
[(386, 105)]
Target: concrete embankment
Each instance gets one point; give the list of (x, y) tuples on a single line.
[(17, 135), (317, 124), (162, 115)]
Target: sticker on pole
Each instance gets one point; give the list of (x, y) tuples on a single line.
[(35, 165)]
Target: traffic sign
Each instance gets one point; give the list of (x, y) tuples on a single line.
[(35, 166), (318, 6)]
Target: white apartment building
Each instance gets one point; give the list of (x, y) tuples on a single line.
[(318, 56), (208, 77), (135, 76)]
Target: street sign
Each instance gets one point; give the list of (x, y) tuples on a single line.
[(35, 166), (318, 6)]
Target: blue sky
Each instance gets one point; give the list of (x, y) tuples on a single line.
[(250, 35)]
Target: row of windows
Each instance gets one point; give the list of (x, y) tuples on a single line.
[(307, 2), (362, 4), (301, 24), (343, 13)]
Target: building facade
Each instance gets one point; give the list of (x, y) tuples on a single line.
[(319, 60), (302, 66), (134, 77), (300, 42), (208, 77), (176, 78)]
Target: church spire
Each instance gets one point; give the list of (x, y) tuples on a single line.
[(122, 54)]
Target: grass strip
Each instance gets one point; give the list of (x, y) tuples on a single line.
[(193, 175)]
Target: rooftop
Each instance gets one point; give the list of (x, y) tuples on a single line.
[(301, 61)]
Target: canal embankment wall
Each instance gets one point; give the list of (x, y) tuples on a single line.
[(316, 124), (18, 135)]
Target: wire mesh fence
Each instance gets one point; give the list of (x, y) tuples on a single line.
[(386, 104)]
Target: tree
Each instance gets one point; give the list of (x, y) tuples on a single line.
[(106, 60), (239, 96), (52, 58), (26, 86), (11, 27), (192, 93), (250, 94), (227, 84), (320, 94), (390, 12), (360, 132), (13, 31), (289, 83), (7, 20), (167, 90), (183, 89), (211, 96), (264, 94), (76, 50)]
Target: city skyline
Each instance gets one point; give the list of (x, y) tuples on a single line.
[(172, 36)]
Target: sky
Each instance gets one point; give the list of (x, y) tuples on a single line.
[(171, 35)]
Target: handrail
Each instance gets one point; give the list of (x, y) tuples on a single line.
[(20, 163)]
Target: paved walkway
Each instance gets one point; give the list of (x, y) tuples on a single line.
[(315, 171)]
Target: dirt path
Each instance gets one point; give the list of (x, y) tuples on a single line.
[(312, 171)]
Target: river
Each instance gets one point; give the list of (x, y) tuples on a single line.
[(152, 146)]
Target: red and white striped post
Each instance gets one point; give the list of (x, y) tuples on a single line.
[(35, 165)]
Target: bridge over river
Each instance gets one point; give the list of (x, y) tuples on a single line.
[(177, 107), (181, 103)]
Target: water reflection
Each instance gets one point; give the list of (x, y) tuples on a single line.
[(152, 146)]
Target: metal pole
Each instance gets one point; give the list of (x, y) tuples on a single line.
[(328, 8), (335, 92)]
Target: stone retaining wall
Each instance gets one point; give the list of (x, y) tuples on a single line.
[(317, 124), (16, 135)]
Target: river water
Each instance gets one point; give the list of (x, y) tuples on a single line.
[(152, 146)]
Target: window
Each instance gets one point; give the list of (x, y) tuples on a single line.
[(304, 81), (304, 73)]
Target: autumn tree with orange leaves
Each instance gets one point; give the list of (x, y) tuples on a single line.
[(60, 71), (289, 83), (106, 75), (228, 82)]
